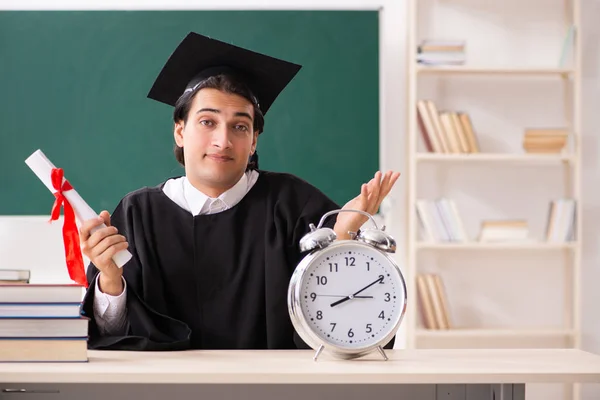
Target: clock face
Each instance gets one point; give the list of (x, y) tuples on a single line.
[(352, 295)]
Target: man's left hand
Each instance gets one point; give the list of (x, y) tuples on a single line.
[(370, 198)]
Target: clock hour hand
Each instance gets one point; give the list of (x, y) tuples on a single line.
[(352, 296)]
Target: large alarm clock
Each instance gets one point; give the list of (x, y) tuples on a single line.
[(347, 297)]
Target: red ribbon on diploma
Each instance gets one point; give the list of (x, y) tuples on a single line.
[(70, 231)]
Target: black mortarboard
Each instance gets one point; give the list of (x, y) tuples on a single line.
[(197, 57)]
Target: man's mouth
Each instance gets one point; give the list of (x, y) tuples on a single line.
[(219, 158)]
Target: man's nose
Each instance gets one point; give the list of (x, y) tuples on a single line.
[(221, 137)]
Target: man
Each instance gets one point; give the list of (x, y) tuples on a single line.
[(214, 250)]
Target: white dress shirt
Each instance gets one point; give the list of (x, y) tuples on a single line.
[(110, 311)]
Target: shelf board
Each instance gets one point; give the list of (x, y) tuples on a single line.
[(464, 69), (495, 246), (496, 157)]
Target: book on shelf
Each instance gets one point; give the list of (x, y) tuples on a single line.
[(441, 52), (433, 302), (441, 45), (42, 323), (440, 221), (445, 131), (545, 140), (566, 53), (504, 231), (560, 226)]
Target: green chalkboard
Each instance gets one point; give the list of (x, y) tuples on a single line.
[(74, 84)]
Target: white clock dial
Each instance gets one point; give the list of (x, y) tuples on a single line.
[(352, 296)]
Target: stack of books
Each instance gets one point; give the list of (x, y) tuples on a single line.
[(439, 221), (42, 323), (433, 303), (545, 140), (446, 131), (441, 52)]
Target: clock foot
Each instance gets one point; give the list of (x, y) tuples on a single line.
[(319, 350), (382, 353)]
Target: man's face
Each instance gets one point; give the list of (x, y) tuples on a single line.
[(218, 137)]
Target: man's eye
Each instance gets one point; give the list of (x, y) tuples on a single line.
[(242, 128), (206, 122)]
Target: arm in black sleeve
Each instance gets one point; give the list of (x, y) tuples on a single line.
[(147, 329)]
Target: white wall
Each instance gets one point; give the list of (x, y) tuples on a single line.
[(591, 177), (31, 243)]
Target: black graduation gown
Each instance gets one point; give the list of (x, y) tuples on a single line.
[(212, 281)]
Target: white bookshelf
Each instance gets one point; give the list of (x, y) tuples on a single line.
[(418, 159)]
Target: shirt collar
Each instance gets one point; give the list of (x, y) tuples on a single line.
[(199, 203)]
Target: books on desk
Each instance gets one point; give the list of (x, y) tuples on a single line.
[(14, 276), (42, 323)]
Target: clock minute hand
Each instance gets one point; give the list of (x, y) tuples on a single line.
[(335, 303), (369, 285)]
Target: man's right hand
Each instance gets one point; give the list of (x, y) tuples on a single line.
[(100, 247)]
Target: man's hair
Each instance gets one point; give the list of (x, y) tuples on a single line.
[(224, 83)]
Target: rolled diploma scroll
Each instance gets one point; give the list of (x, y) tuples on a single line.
[(42, 167)]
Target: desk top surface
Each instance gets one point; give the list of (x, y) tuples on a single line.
[(297, 366)]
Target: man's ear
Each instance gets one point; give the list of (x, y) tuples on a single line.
[(178, 133), (254, 142)]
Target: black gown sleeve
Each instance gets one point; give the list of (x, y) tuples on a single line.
[(146, 328)]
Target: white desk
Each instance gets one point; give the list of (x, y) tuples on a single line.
[(410, 374)]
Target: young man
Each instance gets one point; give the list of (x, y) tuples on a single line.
[(214, 250)]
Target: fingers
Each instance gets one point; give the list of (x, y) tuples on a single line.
[(374, 187), (393, 177), (384, 184), (102, 246), (393, 180), (105, 258), (374, 190), (387, 183), (106, 217), (363, 198), (99, 243), (380, 187), (85, 231), (364, 190)]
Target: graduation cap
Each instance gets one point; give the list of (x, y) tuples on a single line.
[(198, 57)]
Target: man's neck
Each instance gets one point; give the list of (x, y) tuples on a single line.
[(212, 191)]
